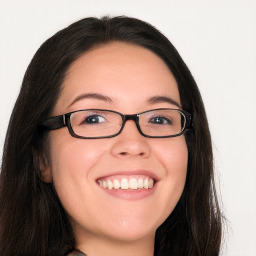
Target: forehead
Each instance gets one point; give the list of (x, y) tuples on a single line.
[(121, 71)]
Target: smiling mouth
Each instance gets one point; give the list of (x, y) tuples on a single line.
[(132, 182)]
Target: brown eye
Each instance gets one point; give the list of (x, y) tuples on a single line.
[(93, 119), (160, 120)]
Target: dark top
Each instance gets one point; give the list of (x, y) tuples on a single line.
[(77, 252)]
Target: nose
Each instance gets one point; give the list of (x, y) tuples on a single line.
[(130, 143)]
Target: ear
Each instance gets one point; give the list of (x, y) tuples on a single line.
[(43, 167), (46, 174)]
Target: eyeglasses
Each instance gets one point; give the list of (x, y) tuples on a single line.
[(101, 123)]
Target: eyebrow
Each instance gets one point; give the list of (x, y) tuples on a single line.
[(163, 99), (96, 96)]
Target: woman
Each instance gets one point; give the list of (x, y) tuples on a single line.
[(101, 156)]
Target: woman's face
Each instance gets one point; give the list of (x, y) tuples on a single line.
[(125, 77)]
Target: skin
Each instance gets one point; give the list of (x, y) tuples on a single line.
[(104, 224)]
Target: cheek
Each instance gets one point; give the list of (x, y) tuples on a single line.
[(72, 160), (67, 151), (174, 159), (173, 154)]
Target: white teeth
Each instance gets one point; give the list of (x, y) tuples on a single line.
[(132, 183), (110, 184), (146, 183), (124, 184), (104, 183), (141, 183), (150, 183), (117, 184)]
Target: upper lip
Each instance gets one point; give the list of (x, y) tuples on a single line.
[(131, 172)]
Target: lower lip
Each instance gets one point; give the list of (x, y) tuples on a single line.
[(130, 194)]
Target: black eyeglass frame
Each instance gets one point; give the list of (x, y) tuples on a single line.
[(57, 122)]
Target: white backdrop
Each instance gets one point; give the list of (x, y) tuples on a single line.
[(217, 40)]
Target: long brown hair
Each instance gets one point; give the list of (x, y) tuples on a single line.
[(32, 220)]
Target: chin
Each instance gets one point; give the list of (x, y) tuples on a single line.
[(132, 230)]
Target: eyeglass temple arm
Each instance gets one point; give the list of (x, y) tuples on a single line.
[(189, 121), (54, 123)]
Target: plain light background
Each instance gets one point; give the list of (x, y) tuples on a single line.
[(217, 40)]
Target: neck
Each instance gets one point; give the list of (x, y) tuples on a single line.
[(98, 246)]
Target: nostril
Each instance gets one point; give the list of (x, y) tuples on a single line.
[(126, 153)]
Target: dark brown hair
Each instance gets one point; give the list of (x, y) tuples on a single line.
[(32, 220)]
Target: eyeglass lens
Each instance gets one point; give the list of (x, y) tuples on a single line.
[(100, 123)]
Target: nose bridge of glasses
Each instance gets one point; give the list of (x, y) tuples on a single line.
[(131, 117)]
